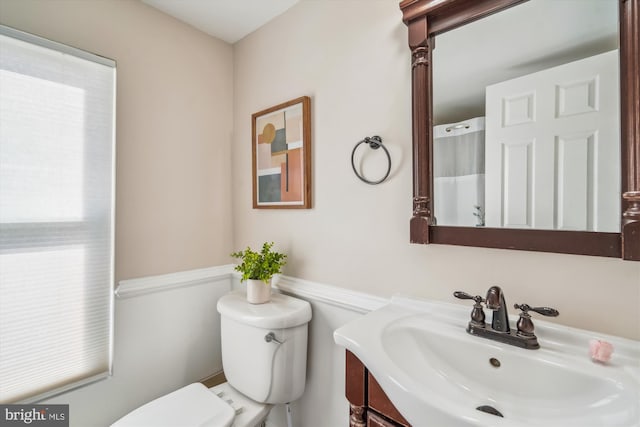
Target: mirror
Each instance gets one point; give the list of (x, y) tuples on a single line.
[(585, 211), (527, 128)]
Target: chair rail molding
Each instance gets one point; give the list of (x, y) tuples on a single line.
[(356, 301), (348, 299), (130, 288)]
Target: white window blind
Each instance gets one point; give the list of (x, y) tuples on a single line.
[(56, 216)]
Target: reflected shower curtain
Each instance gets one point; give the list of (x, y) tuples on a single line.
[(458, 171)]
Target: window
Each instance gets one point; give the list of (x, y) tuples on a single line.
[(56, 216)]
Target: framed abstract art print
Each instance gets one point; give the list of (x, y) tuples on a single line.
[(281, 156)]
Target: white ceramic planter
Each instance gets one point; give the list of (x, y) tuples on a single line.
[(258, 292)]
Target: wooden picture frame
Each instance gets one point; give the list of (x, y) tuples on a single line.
[(281, 156)]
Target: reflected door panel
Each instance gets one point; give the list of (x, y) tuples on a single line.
[(552, 148)]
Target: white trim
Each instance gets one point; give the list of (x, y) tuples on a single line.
[(66, 388), (144, 285), (348, 299), (339, 297), (112, 237), (50, 44)]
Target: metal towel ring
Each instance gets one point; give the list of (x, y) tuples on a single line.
[(374, 142)]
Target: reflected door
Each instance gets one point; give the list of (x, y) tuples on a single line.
[(552, 148)]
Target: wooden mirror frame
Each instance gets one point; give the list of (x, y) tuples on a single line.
[(428, 18)]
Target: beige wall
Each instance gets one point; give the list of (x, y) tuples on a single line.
[(352, 58), (174, 116)]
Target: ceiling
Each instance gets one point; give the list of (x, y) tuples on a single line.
[(522, 40), (530, 37), (228, 20)]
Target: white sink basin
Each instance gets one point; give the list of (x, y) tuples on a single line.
[(438, 375)]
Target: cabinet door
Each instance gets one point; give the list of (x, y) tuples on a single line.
[(552, 148)]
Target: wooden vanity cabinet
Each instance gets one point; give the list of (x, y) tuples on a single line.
[(369, 406)]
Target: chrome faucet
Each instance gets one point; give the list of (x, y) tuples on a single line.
[(499, 329)]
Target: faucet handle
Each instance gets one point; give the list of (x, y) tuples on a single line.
[(545, 311), (463, 295), (525, 325), (477, 314)]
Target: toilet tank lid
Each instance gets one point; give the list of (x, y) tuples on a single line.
[(282, 311)]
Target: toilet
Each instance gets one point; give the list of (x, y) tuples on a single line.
[(264, 357)]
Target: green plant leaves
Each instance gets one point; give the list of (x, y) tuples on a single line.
[(259, 265)]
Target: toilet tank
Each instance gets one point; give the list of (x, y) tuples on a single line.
[(263, 369)]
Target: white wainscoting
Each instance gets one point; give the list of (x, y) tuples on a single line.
[(167, 335)]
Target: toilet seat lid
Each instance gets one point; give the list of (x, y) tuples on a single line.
[(190, 406)]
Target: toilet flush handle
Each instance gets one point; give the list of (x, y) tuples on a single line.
[(271, 337)]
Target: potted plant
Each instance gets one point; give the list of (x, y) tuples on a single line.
[(257, 269)]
